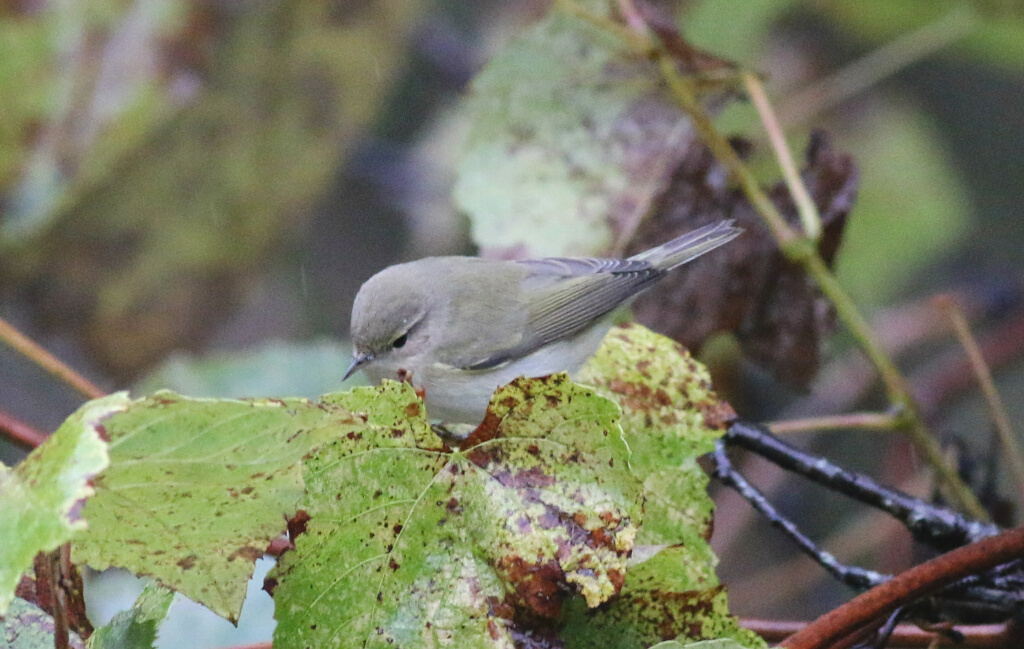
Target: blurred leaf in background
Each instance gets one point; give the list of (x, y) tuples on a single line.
[(139, 207), (26, 626), (277, 368), (573, 138), (913, 207)]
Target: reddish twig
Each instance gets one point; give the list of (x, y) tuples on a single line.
[(981, 636), (49, 587), (20, 432), (44, 359), (906, 588)]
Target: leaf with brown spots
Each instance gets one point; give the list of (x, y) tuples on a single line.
[(41, 498), (670, 417), (198, 488), (471, 548), (663, 599)]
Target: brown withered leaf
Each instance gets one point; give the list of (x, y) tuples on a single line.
[(748, 288), (39, 588)]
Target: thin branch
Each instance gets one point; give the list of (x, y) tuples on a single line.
[(878, 421), (980, 636), (853, 576), (939, 527), (1014, 452), (720, 146), (800, 250), (48, 571), (633, 40), (44, 359), (19, 432), (883, 62), (950, 377), (908, 587), (796, 575), (805, 207)]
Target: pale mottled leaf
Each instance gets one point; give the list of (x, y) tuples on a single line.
[(26, 626), (412, 544), (573, 137), (197, 489), (670, 417), (663, 598), (40, 499)]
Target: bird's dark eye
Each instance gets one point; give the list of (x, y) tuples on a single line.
[(400, 341)]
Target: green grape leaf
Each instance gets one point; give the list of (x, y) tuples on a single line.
[(40, 498), (412, 544), (670, 417), (135, 628), (573, 139), (197, 489), (662, 599), (26, 626)]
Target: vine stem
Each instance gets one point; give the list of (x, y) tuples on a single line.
[(879, 421), (1011, 444), (805, 207), (907, 587), (47, 361), (981, 636), (799, 249)]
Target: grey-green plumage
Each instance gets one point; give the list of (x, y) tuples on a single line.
[(463, 326)]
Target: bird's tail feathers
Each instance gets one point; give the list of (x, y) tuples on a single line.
[(690, 245)]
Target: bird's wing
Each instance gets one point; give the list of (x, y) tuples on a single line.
[(564, 297)]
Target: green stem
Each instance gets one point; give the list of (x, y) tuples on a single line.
[(805, 206), (801, 250), (879, 421)]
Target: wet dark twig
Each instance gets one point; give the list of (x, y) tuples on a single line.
[(941, 528)]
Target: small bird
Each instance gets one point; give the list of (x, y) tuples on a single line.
[(461, 327)]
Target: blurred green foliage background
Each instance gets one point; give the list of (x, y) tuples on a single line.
[(192, 192)]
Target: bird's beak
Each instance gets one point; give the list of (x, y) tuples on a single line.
[(357, 362)]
